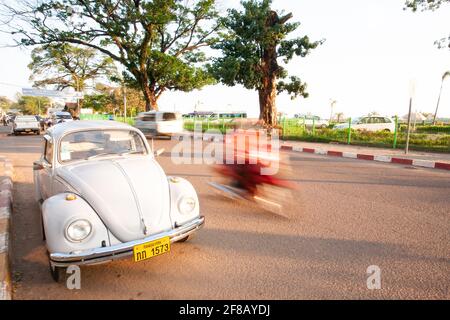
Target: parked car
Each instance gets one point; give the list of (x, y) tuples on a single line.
[(104, 196), (375, 123), (159, 123), (309, 121), (60, 117), (26, 124)]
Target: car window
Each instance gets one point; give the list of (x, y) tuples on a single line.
[(25, 119), (168, 116), (363, 120), (387, 120), (88, 144), (148, 117), (48, 151)]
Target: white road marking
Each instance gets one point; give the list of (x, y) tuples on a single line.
[(382, 158)]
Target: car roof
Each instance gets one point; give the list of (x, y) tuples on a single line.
[(57, 131)]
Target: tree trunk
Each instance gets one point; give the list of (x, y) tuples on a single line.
[(151, 101), (269, 69), (267, 105)]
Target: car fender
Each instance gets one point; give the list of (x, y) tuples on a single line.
[(180, 188), (58, 213)]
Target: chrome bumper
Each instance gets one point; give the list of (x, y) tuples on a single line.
[(104, 254)]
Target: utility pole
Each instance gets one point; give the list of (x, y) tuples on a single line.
[(411, 93), (125, 102), (333, 103)]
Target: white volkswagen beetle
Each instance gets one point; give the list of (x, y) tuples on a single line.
[(104, 196)]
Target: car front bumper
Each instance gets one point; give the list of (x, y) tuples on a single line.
[(104, 254)]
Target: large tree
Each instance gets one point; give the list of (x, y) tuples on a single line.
[(65, 65), (158, 42), (255, 39)]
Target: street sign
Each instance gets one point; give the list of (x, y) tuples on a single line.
[(51, 93)]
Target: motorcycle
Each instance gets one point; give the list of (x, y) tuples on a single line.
[(247, 182)]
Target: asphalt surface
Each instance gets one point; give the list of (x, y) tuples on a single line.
[(346, 216)]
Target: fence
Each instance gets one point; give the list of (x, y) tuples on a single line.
[(302, 129), (128, 120)]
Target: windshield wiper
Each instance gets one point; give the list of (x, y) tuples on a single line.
[(131, 152)]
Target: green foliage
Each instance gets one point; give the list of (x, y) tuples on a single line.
[(425, 4), (65, 65), (110, 99), (33, 105), (433, 129), (5, 103), (247, 40), (158, 42), (432, 5)]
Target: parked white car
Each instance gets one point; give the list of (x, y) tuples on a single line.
[(104, 196), (159, 123), (309, 121), (375, 123), (26, 124)]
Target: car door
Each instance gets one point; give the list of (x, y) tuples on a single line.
[(45, 169)]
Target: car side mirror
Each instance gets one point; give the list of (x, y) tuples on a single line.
[(158, 152), (38, 165)]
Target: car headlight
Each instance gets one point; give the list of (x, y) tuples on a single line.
[(78, 230), (186, 205)]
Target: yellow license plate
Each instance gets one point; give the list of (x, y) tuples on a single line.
[(151, 249)]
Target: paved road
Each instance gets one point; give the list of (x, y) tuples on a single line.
[(348, 215)]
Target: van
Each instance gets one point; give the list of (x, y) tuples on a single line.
[(159, 123)]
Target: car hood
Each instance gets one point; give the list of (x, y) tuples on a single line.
[(130, 195)]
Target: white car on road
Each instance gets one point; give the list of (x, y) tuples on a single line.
[(104, 196), (159, 123), (375, 123), (26, 124)]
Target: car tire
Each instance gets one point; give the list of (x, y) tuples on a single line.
[(387, 130), (184, 239)]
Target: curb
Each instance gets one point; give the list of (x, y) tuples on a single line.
[(351, 155), (6, 173), (370, 157)]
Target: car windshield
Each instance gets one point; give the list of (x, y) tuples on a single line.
[(356, 120), (64, 116), (97, 143), (25, 119)]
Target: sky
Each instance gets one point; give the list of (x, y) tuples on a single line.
[(375, 55)]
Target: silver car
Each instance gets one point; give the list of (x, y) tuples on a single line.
[(104, 196)]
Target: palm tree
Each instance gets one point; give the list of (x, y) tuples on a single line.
[(339, 116), (445, 75)]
